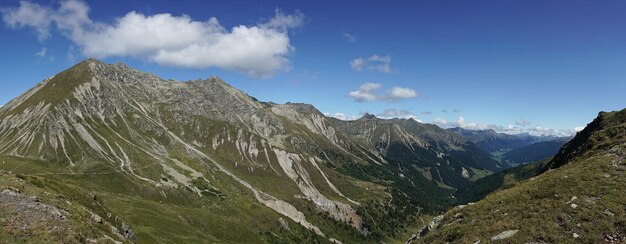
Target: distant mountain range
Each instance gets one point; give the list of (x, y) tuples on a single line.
[(513, 149), (493, 141)]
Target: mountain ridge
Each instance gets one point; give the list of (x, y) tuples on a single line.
[(575, 197), (205, 142)]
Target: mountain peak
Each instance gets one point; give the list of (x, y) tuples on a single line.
[(91, 60), (368, 116), (604, 132)]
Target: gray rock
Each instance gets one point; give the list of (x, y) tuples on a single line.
[(435, 222), (127, 232), (96, 218), (504, 235)]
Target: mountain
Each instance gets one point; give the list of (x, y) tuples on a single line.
[(129, 156), (495, 142), (409, 145), (577, 196), (533, 152)]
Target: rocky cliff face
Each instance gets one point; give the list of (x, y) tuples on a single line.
[(207, 139)]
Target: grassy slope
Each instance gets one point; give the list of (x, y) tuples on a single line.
[(539, 208), (497, 181), (179, 217)]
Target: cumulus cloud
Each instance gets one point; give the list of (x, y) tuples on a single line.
[(522, 122), (29, 15), (397, 113), (377, 63), (179, 41), (369, 92), (365, 92), (440, 122), (507, 129), (402, 93), (426, 112), (341, 116), (357, 64)]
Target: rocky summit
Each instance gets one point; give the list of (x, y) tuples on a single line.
[(129, 157)]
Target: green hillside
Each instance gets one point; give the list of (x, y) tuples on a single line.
[(578, 198)]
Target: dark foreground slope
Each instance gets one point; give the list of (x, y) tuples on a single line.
[(201, 161), (580, 197)]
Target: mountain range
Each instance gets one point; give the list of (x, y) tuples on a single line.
[(218, 164), (108, 153)]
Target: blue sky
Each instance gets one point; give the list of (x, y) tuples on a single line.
[(514, 66)]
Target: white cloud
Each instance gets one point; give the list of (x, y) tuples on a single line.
[(42, 53), (348, 36), (29, 15), (369, 92), (381, 64), (357, 64), (284, 22), (402, 92), (397, 113), (440, 122), (259, 51), (342, 116), (522, 122), (508, 129), (579, 128), (365, 92)]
